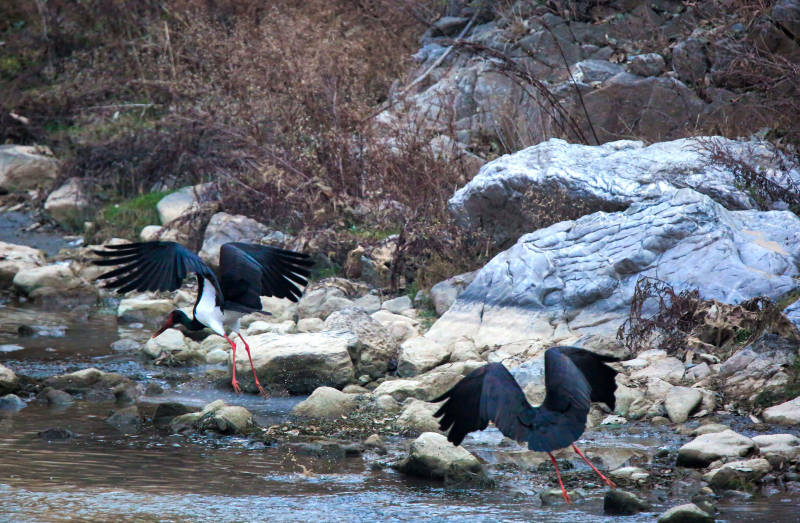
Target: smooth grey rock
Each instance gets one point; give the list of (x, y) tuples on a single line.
[(419, 355), (620, 503), (397, 305), (417, 418), (225, 419), (126, 345), (75, 381), (787, 14), (174, 349), (15, 258), (633, 473), (370, 303), (217, 356), (681, 402), (379, 349), (310, 325), (70, 204), (25, 167), (711, 428), (54, 276), (262, 327), (138, 310), (186, 199), (615, 174), (689, 513), (732, 474), (225, 228), (432, 456), (126, 419), (784, 414), (325, 402), (166, 412), (158, 233), (784, 445), (445, 293), (53, 396), (301, 362), (650, 64), (759, 368), (583, 273), (322, 302), (708, 448), (12, 402)]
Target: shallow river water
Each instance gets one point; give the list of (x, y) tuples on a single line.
[(104, 475)]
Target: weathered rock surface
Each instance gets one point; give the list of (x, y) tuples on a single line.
[(613, 175), (55, 276), (224, 228), (379, 348), (325, 402), (784, 414), (731, 475), (15, 258), (8, 381), (759, 368), (127, 419), (706, 449), (53, 396), (579, 276), (419, 355), (186, 199), (322, 302), (301, 362), (432, 456), (670, 370), (159, 233), (445, 293), (173, 348), (310, 325), (397, 305), (70, 204), (417, 418), (12, 403), (77, 381), (620, 503), (24, 167), (633, 473), (681, 402), (689, 513), (262, 327), (135, 310), (784, 445)]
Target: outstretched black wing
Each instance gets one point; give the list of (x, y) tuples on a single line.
[(248, 272), (491, 393), (601, 377), (151, 266)]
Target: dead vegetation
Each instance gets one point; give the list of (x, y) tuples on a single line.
[(677, 322)]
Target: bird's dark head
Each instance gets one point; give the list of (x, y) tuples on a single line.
[(176, 318)]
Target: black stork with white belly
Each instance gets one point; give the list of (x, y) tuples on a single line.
[(573, 377), (246, 271)]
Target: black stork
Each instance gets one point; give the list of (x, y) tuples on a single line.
[(573, 378), (246, 271)]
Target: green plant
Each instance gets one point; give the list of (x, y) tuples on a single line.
[(128, 218)]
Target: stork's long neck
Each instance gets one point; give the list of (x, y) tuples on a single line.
[(191, 324)]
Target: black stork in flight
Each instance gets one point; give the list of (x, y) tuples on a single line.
[(573, 378), (246, 271)]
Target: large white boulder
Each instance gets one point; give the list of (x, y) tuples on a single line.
[(14, 258), (615, 174), (224, 228), (378, 348), (186, 199), (301, 362), (24, 167), (784, 414), (57, 277), (140, 310), (70, 204), (431, 456), (784, 445), (419, 355), (326, 402), (579, 276), (708, 448)]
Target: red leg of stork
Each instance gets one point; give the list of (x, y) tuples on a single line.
[(247, 348), (558, 475), (236, 388), (607, 481)]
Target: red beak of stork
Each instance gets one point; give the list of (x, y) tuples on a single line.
[(164, 327)]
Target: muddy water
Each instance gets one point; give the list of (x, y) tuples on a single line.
[(104, 475)]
